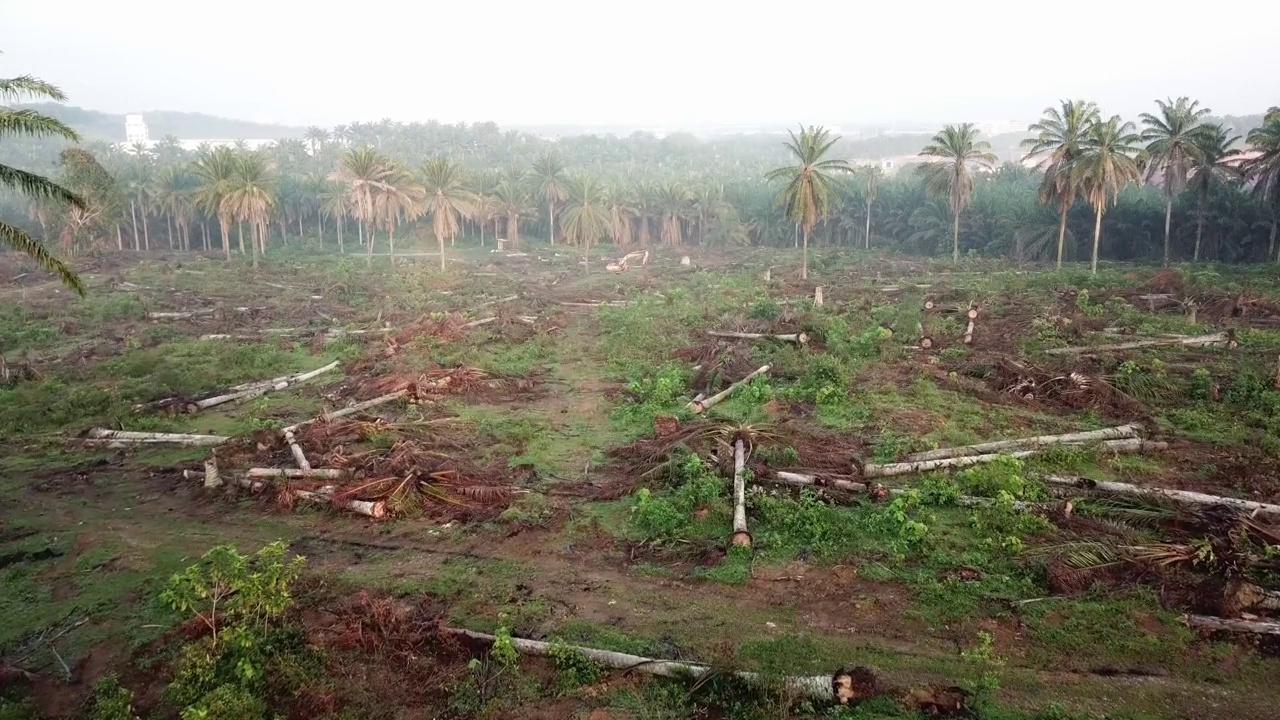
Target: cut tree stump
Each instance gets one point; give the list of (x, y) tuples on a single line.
[(1221, 338), (817, 296), (1185, 496), (740, 535), (700, 406), (1115, 433)]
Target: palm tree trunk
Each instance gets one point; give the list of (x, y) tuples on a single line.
[(119, 238), (226, 237), (551, 221), (1062, 235), (1195, 254), (168, 221), (804, 261), (255, 233), (481, 224), (342, 245), (240, 232), (795, 237), (360, 230), (868, 235), (204, 233), (320, 230), (1271, 251), (391, 238), (439, 244), (368, 251), (1168, 217), (299, 227), (1097, 235), (133, 212), (146, 232), (955, 239)]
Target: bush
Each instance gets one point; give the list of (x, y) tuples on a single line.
[(1004, 474), (111, 701)]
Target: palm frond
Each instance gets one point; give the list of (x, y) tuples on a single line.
[(26, 86), (37, 187), (29, 123), (16, 239)]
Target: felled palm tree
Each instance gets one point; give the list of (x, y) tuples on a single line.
[(1172, 150), (809, 183), (214, 170), (1060, 134), (1106, 165), (29, 123), (586, 218), (1264, 170), (1216, 161), (250, 197), (951, 176), (552, 186), (446, 200)]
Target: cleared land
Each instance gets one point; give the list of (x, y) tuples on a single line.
[(539, 469)]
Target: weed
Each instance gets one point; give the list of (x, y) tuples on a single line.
[(1002, 475), (111, 701), (574, 669)]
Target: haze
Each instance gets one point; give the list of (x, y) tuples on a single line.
[(660, 62)]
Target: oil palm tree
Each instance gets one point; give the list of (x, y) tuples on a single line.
[(671, 201), (809, 183), (250, 197), (316, 137), (1215, 161), (214, 171), (618, 204), (513, 201), (335, 203), (951, 176), (363, 171), (551, 186), (586, 218), (1107, 164), (31, 124), (1060, 134), (1264, 171), (174, 192), (1172, 150), (447, 198), (400, 198), (871, 186)]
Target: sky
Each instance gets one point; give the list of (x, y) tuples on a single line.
[(686, 63)]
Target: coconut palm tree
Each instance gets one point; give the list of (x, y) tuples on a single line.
[(551, 186), (31, 124), (951, 176), (214, 171), (809, 183), (1215, 161), (447, 198), (1059, 136), (364, 172), (1264, 171), (1107, 163), (1172, 150), (250, 196), (174, 195), (586, 217)]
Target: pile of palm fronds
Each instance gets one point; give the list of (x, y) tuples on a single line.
[(1069, 388), (434, 381), (1228, 556), (409, 477)]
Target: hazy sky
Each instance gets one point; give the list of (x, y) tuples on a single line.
[(691, 62)]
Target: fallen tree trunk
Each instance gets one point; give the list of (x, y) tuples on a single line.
[(799, 337), (291, 473), (1123, 431), (911, 468), (368, 508), (802, 480), (837, 688), (358, 407), (298, 456), (968, 332), (1185, 496), (700, 406), (157, 437), (602, 303), (478, 323), (1221, 338), (256, 389), (1208, 622), (487, 303), (740, 535), (197, 313)]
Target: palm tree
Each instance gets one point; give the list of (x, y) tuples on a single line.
[(29, 123), (619, 205), (316, 137), (401, 197), (807, 194), (174, 192), (871, 178), (951, 178), (1059, 137), (250, 197), (364, 172), (214, 171), (1105, 166), (671, 200), (513, 201), (1215, 161), (586, 218), (1264, 171), (1172, 150), (447, 198), (335, 203), (552, 188)]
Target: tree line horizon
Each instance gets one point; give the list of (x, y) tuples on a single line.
[(1174, 186)]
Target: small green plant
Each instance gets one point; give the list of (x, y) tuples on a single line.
[(111, 701), (575, 669), (896, 518), (765, 309), (989, 667), (1004, 474), (666, 516)]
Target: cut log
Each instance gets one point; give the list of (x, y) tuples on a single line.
[(602, 303), (925, 342), (358, 407), (1208, 622), (833, 688), (1221, 338), (911, 468), (801, 480), (1114, 433), (298, 456), (740, 535), (211, 477), (800, 337), (478, 323), (291, 473), (373, 509), (102, 437), (1184, 496), (256, 389), (198, 313), (817, 296), (929, 305), (972, 314), (701, 406), (487, 303), (968, 333)]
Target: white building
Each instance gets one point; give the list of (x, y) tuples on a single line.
[(135, 130), (136, 133)]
